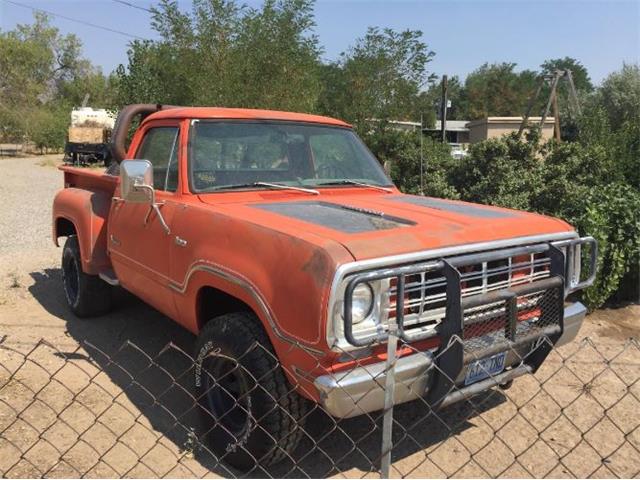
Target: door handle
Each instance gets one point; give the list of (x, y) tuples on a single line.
[(181, 242)]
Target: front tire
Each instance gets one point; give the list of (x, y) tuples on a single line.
[(251, 416), (87, 295)]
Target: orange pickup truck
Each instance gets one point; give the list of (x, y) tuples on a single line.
[(255, 228)]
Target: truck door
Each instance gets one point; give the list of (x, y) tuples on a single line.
[(140, 251)]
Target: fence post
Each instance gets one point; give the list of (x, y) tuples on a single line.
[(389, 389)]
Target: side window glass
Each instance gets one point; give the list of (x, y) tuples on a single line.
[(160, 147)]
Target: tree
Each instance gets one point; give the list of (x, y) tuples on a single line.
[(497, 90), (279, 57), (92, 82), (24, 67), (619, 95), (47, 127), (222, 53), (611, 120), (42, 76), (380, 77), (579, 73), (334, 92)]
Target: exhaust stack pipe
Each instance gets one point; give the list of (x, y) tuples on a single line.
[(123, 122)]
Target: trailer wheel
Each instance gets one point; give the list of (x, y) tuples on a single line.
[(251, 416), (87, 295)]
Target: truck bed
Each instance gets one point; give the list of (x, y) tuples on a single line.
[(89, 179)]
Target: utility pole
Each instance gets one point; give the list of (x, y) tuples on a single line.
[(574, 94), (532, 100), (443, 109), (554, 86), (556, 116)]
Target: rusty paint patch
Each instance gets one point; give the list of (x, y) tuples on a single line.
[(317, 267)]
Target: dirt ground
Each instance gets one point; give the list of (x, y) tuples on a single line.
[(106, 398)]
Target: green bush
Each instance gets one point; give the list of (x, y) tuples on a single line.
[(401, 152), (588, 183), (500, 171), (566, 174), (612, 216), (47, 128), (580, 182)]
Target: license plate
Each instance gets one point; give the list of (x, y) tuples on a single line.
[(484, 368)]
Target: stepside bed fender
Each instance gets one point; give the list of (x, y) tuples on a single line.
[(88, 212)]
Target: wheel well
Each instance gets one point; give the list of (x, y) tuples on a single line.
[(212, 302), (64, 228)]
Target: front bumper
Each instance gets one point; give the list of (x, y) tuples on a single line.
[(361, 390)]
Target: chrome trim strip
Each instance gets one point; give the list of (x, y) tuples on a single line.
[(446, 251), (204, 266), (111, 280), (182, 288)]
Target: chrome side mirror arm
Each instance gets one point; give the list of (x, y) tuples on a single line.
[(155, 207)]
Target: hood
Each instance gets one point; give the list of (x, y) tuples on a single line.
[(371, 225)]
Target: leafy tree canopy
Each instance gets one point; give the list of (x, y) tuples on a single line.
[(498, 90), (224, 53), (42, 75), (383, 74), (579, 73)]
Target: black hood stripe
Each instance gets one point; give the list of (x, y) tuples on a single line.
[(338, 217), (454, 207)]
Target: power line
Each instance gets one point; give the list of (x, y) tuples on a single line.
[(82, 22), (123, 2)]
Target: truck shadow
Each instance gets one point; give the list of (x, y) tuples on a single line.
[(147, 356)]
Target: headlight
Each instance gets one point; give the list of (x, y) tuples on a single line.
[(361, 303)]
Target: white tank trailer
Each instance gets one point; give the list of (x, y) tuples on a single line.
[(89, 135)]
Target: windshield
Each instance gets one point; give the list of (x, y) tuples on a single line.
[(226, 155)]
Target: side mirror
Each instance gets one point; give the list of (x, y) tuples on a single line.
[(136, 181), (136, 186)]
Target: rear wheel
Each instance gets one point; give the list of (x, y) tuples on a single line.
[(87, 295), (250, 413)]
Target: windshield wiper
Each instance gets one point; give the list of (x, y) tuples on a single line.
[(264, 184), (354, 182)]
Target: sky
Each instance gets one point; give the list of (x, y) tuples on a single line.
[(463, 34)]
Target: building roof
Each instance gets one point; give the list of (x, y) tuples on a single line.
[(402, 123), (509, 120), (452, 126), (405, 123), (243, 114)]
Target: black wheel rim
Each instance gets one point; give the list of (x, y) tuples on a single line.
[(71, 279), (227, 394)]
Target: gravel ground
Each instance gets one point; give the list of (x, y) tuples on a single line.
[(108, 410), (27, 189)]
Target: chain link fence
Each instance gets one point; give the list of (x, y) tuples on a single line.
[(85, 412)]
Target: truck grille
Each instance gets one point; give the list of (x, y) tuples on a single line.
[(425, 292)]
